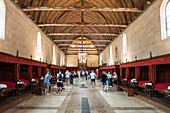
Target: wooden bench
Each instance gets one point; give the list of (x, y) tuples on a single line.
[(130, 92)]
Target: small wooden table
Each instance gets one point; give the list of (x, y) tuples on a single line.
[(3, 93), (33, 86), (166, 93)]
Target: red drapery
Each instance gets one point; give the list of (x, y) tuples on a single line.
[(169, 72), (154, 73), (18, 70), (137, 73)]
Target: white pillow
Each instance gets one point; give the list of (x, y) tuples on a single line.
[(41, 78), (148, 84), (3, 86), (32, 80), (168, 87)]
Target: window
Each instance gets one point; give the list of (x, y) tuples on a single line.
[(61, 59), (124, 44), (110, 55), (165, 19), (168, 19), (53, 53), (39, 43), (2, 19)]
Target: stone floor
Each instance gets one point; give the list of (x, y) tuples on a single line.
[(84, 99)]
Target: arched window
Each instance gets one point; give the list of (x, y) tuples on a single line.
[(110, 55), (2, 19), (165, 19), (61, 59), (124, 44), (54, 53), (168, 19), (39, 43)]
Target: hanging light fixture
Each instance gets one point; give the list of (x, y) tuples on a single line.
[(148, 2), (72, 46)]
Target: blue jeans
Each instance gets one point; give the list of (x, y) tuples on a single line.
[(104, 83)]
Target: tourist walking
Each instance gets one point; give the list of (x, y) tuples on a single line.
[(47, 82), (59, 81), (104, 79), (93, 76)]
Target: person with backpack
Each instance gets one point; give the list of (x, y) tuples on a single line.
[(71, 77), (104, 79), (59, 81)]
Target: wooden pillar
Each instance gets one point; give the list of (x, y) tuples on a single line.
[(54, 71), (39, 71), (30, 71), (127, 72), (16, 73), (45, 71), (121, 72), (137, 71), (111, 71)]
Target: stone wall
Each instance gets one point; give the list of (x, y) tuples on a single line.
[(92, 60), (71, 60), (143, 36), (21, 35)]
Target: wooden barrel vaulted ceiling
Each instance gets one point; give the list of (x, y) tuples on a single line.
[(83, 25)]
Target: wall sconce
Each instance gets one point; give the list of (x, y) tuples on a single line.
[(126, 60), (136, 58), (17, 53), (150, 54)]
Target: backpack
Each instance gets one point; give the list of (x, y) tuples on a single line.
[(60, 78)]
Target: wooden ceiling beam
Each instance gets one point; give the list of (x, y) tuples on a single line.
[(79, 44), (82, 25), (81, 48), (84, 40), (82, 9), (82, 34)]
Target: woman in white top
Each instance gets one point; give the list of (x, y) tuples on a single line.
[(115, 77), (109, 79), (67, 77)]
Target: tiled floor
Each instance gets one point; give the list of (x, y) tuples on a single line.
[(70, 101)]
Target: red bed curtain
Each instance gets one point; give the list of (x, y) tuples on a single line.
[(127, 72), (154, 73), (169, 72), (121, 72), (138, 73)]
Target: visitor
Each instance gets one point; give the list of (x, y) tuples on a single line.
[(104, 79), (59, 81), (109, 79), (115, 78), (46, 82), (71, 77), (67, 77), (92, 75)]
